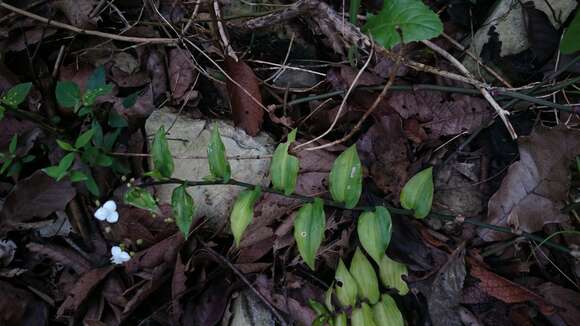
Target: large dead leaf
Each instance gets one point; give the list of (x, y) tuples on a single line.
[(446, 291), (533, 191), (182, 73), (439, 115), (19, 307), (36, 196), (82, 289), (567, 302), (247, 113)]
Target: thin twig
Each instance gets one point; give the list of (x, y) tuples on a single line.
[(144, 40)]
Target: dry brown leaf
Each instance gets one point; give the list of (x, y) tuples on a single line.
[(62, 255), (182, 73), (82, 289), (20, 308), (163, 252), (504, 289), (534, 189), (441, 116), (178, 288), (247, 114), (78, 12), (566, 301)]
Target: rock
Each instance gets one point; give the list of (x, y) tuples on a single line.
[(248, 310), (189, 138)]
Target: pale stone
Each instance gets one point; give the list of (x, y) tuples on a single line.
[(189, 138)]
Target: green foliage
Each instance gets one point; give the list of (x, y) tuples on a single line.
[(284, 167), (571, 40), (391, 274), (183, 209), (346, 287), (243, 212), (97, 79), (386, 312), (417, 194), (68, 95), (16, 95), (374, 232), (346, 178), (84, 138), (309, 226), (219, 166), (141, 198), (61, 170), (2, 110), (416, 21), (162, 160), (362, 316), (341, 319), (365, 277)]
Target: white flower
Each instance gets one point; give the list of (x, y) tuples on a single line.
[(118, 256), (108, 212)]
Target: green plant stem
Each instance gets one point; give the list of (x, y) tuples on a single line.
[(395, 210)]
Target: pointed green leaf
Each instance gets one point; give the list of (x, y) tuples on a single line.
[(78, 176), (141, 198), (92, 186), (415, 20), (417, 194), (341, 320), (571, 40), (131, 99), (243, 212), (97, 78), (319, 308), (64, 164), (6, 165), (374, 232), (2, 110), (284, 167), (66, 146), (346, 287), (91, 95), (216, 156), (391, 273), (13, 144), (362, 316), (84, 138), (183, 209), (386, 312), (328, 298), (68, 94), (366, 278), (16, 95), (309, 226), (346, 178), (162, 159), (116, 120)]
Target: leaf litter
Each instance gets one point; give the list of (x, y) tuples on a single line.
[(422, 122)]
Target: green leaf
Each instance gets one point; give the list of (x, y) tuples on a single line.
[(374, 232), (366, 278), (131, 99), (16, 94), (141, 198), (13, 144), (68, 94), (341, 320), (319, 308), (98, 136), (116, 120), (391, 273), (66, 146), (60, 171), (216, 156), (417, 194), (92, 186), (386, 312), (183, 209), (284, 167), (84, 138), (85, 110), (92, 94), (243, 212), (97, 78), (346, 178), (78, 176), (346, 287), (2, 110), (353, 11), (110, 139), (162, 159), (5, 165), (416, 21), (362, 316), (309, 227), (571, 40), (328, 298)]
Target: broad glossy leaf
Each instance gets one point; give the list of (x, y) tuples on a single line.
[(84, 138), (374, 232), (417, 194), (284, 167), (416, 21), (162, 159), (68, 94), (216, 155), (571, 40), (366, 278), (141, 198), (97, 78), (243, 212), (309, 226), (183, 209), (16, 95), (346, 287), (346, 178), (66, 146), (362, 316), (391, 273), (386, 312)]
